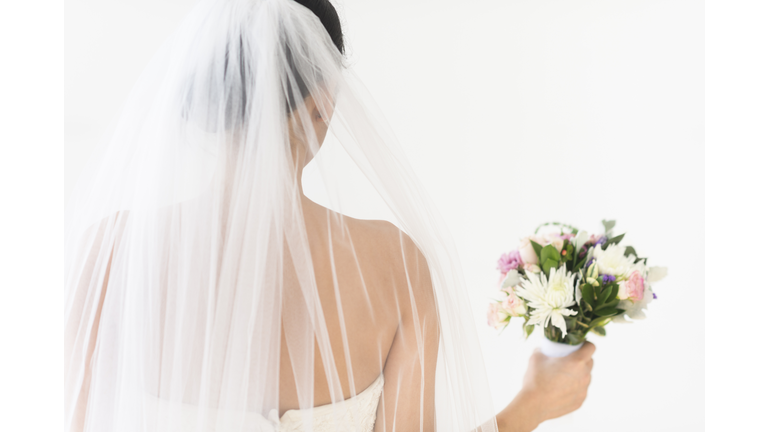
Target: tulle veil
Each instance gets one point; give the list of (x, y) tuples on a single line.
[(188, 255)]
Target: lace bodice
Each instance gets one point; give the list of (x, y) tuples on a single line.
[(356, 414)]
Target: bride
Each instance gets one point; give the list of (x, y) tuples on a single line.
[(206, 292)]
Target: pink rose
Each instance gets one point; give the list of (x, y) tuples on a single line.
[(496, 316), (632, 288), (513, 304)]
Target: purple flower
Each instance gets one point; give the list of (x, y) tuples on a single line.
[(509, 261), (601, 240), (589, 263), (654, 296), (608, 278)]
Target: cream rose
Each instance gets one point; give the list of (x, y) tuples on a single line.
[(526, 250)]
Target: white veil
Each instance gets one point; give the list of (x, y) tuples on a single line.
[(199, 291)]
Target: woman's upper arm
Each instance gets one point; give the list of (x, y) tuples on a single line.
[(407, 401)]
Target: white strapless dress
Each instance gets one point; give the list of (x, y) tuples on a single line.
[(356, 414)]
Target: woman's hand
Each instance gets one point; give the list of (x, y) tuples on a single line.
[(552, 387)]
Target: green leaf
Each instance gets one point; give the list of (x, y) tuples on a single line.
[(588, 294), (614, 240), (537, 249), (609, 311), (609, 225), (548, 264), (528, 330), (614, 293), (581, 263), (608, 305), (604, 293), (629, 251), (599, 330), (600, 322), (550, 252)]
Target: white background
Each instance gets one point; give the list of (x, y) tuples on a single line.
[(612, 90)]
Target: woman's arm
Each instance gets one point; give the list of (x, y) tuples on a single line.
[(552, 387), (408, 398)]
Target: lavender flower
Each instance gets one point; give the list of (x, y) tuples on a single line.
[(654, 296), (608, 278), (601, 240), (509, 261)]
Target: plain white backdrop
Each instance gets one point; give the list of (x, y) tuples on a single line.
[(513, 113), (641, 57)]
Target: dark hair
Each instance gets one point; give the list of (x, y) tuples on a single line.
[(325, 11), (236, 67)]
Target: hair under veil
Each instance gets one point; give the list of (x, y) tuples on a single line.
[(198, 290)]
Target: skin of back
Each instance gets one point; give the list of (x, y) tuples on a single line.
[(389, 315)]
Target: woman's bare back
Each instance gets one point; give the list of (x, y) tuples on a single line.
[(379, 277)]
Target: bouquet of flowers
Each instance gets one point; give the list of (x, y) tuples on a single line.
[(571, 283)]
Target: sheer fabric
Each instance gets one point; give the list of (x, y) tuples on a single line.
[(205, 291)]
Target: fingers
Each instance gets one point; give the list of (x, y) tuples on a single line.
[(585, 352)]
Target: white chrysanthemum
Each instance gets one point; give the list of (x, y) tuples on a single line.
[(612, 261), (548, 299)]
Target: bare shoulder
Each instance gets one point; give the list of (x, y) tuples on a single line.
[(385, 238), (399, 254)]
